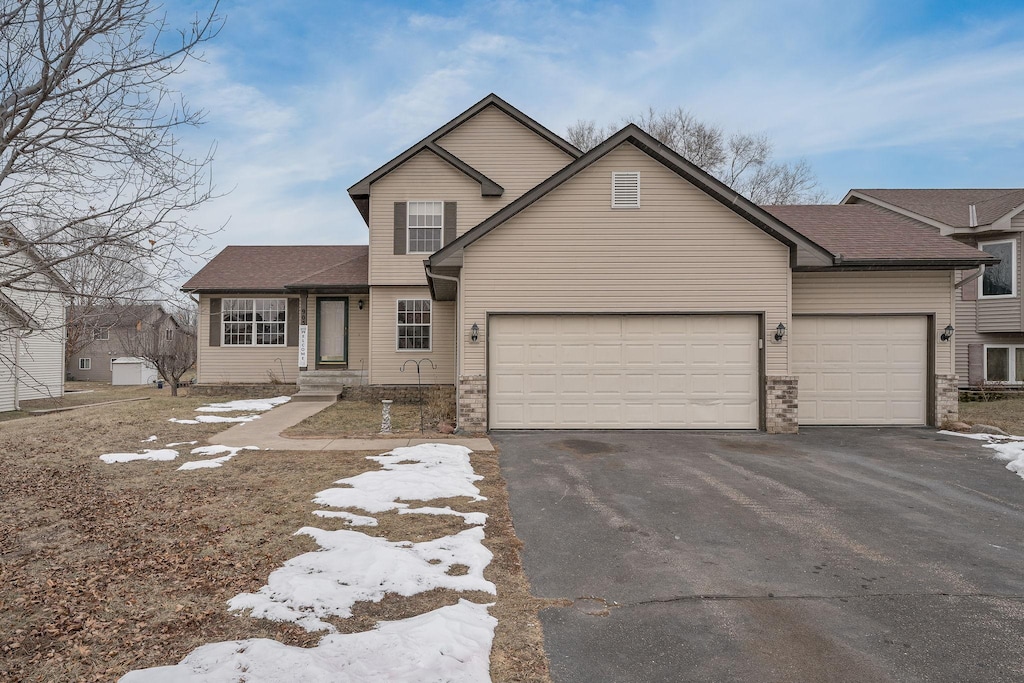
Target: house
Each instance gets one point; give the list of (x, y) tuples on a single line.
[(989, 311), (97, 336), (620, 288), (32, 301)]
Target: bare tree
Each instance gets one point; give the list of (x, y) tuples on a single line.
[(742, 161), (91, 166), (169, 345)]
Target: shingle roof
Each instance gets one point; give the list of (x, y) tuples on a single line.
[(952, 206), (268, 268), (119, 316), (865, 232)]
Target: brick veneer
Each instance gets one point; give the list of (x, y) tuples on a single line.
[(473, 403), (947, 399), (781, 405)]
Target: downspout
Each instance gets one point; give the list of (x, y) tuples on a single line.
[(458, 338), (969, 278), (17, 365)]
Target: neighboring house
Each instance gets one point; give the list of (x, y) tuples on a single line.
[(620, 288), (31, 324), (989, 308), (97, 336)]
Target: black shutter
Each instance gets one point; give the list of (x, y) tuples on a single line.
[(976, 364), (215, 322), (449, 223), (400, 227), (293, 322)]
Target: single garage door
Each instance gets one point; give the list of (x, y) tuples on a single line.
[(870, 370), (623, 371)]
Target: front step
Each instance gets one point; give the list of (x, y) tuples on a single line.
[(307, 395), (326, 385)]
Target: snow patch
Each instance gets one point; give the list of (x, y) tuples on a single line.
[(231, 451), (258, 404), (422, 472), (350, 517), (147, 454), (448, 644), (215, 418), (182, 443), (353, 567), (1009, 449), (478, 518), (152, 438)]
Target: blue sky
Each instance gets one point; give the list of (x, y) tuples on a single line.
[(304, 98)]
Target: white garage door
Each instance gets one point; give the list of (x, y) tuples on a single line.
[(861, 370), (623, 371)]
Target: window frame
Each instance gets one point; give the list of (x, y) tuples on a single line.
[(409, 226), (429, 325), (85, 364), (169, 333), (1011, 364), (101, 334), (253, 324), (1012, 241)]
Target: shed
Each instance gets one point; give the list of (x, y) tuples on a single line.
[(130, 371)]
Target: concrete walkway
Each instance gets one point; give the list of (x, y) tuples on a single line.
[(265, 432)]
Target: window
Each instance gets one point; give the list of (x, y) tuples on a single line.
[(254, 322), (102, 334), (426, 225), (1004, 364), (85, 363), (1000, 280), (626, 190), (414, 324), (168, 335)]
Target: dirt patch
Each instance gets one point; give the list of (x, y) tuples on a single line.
[(108, 568)]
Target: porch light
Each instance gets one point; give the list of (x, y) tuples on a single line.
[(360, 304), (947, 333), (474, 332), (780, 332)]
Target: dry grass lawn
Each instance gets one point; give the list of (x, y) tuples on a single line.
[(1005, 413), (362, 419), (108, 568)]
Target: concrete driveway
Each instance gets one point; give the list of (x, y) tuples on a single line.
[(833, 555)]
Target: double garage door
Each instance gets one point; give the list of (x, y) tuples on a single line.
[(698, 371)]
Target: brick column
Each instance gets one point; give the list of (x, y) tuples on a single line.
[(781, 405), (473, 403), (947, 399)]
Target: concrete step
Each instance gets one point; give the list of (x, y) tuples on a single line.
[(316, 395)]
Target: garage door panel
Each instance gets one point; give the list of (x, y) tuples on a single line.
[(613, 371), (861, 369)]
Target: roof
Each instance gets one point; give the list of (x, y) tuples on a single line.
[(9, 233), (950, 207), (360, 191), (119, 315), (866, 234), (275, 268), (665, 155), (16, 313)]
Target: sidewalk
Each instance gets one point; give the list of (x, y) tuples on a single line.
[(265, 433)]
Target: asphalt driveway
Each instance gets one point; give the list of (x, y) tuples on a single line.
[(833, 555)]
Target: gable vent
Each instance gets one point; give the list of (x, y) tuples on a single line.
[(625, 190)]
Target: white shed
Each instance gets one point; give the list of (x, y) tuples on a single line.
[(131, 371)]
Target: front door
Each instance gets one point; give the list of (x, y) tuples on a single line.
[(332, 331)]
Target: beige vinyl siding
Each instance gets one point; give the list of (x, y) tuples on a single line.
[(505, 151), (41, 354), (7, 392), (423, 177), (385, 358), (241, 364), (680, 252), (967, 332), (1002, 315), (877, 292)]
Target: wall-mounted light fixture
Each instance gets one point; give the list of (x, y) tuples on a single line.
[(474, 332), (947, 333), (360, 304), (780, 332)]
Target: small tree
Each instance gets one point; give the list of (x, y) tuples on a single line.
[(170, 345)]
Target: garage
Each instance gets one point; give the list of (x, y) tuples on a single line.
[(861, 370), (571, 371)]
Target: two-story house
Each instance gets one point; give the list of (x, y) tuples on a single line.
[(989, 306), (618, 288), (97, 336)]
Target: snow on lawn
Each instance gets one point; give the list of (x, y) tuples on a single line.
[(350, 517), (423, 472), (1009, 449), (257, 404), (152, 438), (468, 517), (230, 451), (449, 644), (215, 418), (353, 567), (147, 454)]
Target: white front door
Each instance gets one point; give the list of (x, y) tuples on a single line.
[(332, 330)]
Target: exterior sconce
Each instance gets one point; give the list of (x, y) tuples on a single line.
[(360, 304), (474, 332), (780, 332), (947, 333)]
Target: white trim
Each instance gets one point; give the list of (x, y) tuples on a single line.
[(1013, 270), (101, 334), (85, 363), (429, 326), (408, 228), (252, 323), (1011, 364), (625, 189)]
